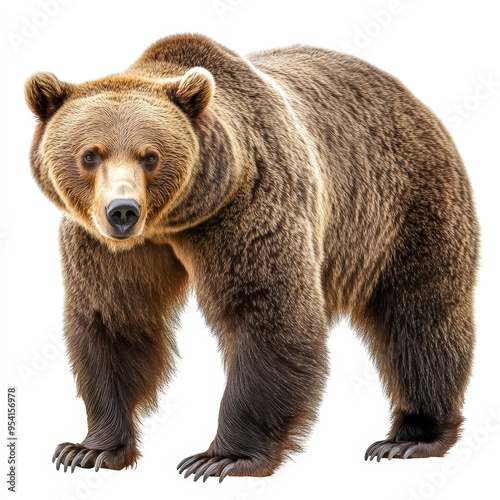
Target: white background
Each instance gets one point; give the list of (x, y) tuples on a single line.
[(445, 51)]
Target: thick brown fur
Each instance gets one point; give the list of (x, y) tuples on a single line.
[(287, 188)]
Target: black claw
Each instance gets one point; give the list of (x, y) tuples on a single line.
[(186, 463), (73, 455), (227, 469), (204, 467), (382, 449), (87, 457), (77, 459), (68, 459), (395, 449), (100, 460), (371, 449), (392, 449), (195, 466), (211, 469), (221, 464), (58, 450), (409, 451), (61, 456)]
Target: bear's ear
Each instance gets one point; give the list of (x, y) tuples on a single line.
[(45, 94), (193, 91)]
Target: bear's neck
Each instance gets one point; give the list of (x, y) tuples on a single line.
[(215, 177)]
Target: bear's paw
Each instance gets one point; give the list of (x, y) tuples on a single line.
[(77, 455), (205, 465)]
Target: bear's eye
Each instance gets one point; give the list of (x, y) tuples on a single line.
[(150, 160), (90, 159)]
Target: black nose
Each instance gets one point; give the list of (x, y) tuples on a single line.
[(123, 214)]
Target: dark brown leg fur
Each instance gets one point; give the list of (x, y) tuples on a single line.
[(116, 334), (270, 399), (273, 343), (420, 331), (425, 370), (416, 436)]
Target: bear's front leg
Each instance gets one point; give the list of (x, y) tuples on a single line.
[(118, 310), (109, 369), (273, 334)]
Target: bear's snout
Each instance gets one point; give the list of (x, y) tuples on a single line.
[(122, 214)]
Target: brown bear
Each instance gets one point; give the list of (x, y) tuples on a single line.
[(287, 188)]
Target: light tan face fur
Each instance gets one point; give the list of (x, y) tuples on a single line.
[(119, 138), (107, 147)]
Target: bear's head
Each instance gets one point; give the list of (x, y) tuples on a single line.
[(116, 153)]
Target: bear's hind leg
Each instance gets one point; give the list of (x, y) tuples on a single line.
[(416, 436), (418, 322), (424, 354)]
